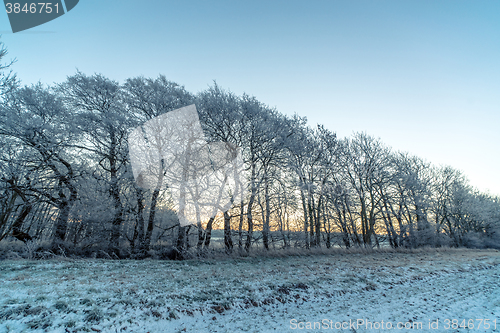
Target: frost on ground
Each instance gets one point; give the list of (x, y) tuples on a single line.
[(252, 294)]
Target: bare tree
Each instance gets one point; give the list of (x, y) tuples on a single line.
[(8, 79), (146, 99), (100, 116), (38, 119)]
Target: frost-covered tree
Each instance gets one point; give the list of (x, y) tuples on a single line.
[(314, 157), (100, 116), (66, 173), (146, 99), (221, 117), (405, 202), (365, 166), (8, 79), (36, 119), (14, 201)]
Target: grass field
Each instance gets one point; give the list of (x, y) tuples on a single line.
[(252, 294)]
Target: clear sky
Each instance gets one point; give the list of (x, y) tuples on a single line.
[(424, 76)]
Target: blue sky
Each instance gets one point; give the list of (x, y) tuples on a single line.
[(424, 76)]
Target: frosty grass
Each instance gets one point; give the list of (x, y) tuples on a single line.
[(249, 294)]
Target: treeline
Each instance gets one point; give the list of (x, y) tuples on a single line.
[(66, 177)]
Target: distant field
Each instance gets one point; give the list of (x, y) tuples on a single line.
[(254, 294)]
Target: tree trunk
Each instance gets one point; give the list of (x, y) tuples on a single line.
[(18, 223), (61, 222), (61, 225), (180, 244), (151, 219), (240, 226), (249, 211), (312, 223), (265, 229), (318, 221), (304, 209), (208, 231), (139, 228), (115, 194), (228, 242)]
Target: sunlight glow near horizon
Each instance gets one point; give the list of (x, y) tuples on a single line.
[(424, 76)]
